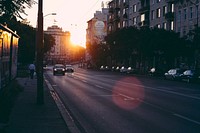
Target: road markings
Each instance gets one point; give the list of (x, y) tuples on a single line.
[(186, 118), (99, 86), (84, 81)]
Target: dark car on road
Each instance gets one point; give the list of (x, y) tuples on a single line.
[(69, 69), (190, 76), (58, 69)]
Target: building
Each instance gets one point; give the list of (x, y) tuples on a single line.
[(8, 55), (60, 52), (180, 16), (96, 30), (187, 16), (97, 27)]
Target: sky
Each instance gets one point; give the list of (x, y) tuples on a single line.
[(71, 15)]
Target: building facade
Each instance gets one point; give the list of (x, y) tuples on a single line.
[(180, 16), (60, 52)]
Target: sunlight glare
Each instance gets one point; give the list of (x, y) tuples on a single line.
[(77, 38)]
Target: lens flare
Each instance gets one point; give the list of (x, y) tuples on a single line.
[(126, 96)]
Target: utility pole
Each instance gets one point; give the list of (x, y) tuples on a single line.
[(39, 54)]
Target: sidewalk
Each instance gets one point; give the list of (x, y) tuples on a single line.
[(29, 117)]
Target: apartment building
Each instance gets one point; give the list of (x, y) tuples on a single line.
[(178, 15), (187, 16), (134, 14), (97, 27), (60, 52)]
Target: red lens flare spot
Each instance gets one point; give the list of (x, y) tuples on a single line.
[(128, 96)]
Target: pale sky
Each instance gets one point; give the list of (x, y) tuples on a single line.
[(71, 15)]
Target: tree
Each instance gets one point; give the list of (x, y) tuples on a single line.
[(14, 8)]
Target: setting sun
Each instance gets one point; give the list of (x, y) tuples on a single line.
[(77, 38)]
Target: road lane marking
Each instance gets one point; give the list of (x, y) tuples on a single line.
[(186, 118), (84, 81), (99, 86)]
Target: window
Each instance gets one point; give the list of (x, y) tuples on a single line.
[(172, 8), (159, 26), (124, 23), (191, 12), (185, 14), (165, 25), (164, 10), (118, 25), (142, 17), (134, 21), (158, 13), (152, 15), (134, 8), (172, 25), (179, 16), (124, 11), (158, 1)]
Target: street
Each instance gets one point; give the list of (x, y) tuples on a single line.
[(108, 102)]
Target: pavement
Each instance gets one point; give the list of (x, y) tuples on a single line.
[(29, 117)]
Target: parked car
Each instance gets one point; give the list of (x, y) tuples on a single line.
[(173, 74), (190, 76), (69, 69), (123, 69), (58, 69), (130, 70), (104, 68), (156, 72)]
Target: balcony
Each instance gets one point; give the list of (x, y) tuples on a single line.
[(117, 18), (126, 5), (144, 9), (111, 10), (170, 1), (169, 16), (125, 16), (144, 23)]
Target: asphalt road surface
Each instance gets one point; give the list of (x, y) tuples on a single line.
[(108, 102)]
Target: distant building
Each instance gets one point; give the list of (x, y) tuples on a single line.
[(60, 52)]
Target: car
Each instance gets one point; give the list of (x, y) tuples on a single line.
[(130, 70), (104, 68), (190, 76), (173, 74), (69, 69), (123, 69), (58, 69), (156, 72)]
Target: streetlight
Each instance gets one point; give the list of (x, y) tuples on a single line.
[(49, 14)]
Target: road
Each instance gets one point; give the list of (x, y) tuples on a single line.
[(107, 102)]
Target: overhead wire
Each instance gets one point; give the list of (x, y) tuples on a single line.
[(81, 18)]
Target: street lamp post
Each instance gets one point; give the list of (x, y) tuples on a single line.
[(49, 14), (39, 55)]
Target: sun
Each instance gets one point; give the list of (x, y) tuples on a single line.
[(78, 38)]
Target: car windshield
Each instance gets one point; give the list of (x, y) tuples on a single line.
[(59, 66)]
